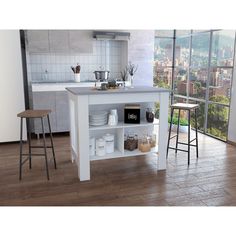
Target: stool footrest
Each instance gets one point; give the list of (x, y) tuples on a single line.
[(23, 162), (33, 154), (193, 145), (40, 146), (178, 149), (173, 136), (193, 140)]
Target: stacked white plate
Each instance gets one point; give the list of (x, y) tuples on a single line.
[(98, 118)]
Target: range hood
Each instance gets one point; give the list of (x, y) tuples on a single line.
[(111, 35)]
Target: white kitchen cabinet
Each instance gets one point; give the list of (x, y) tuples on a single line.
[(80, 41), (44, 101), (62, 111), (38, 41), (59, 41), (57, 102)]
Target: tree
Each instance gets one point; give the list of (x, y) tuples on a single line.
[(218, 117)]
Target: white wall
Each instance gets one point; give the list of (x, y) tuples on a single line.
[(141, 52), (11, 86)]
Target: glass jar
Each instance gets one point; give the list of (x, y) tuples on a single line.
[(150, 115), (153, 139), (131, 142), (144, 144)]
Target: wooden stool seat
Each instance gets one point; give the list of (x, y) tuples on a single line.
[(184, 106), (34, 113), (189, 108)]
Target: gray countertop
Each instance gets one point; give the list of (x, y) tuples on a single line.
[(93, 91)]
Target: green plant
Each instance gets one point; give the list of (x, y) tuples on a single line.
[(182, 121)]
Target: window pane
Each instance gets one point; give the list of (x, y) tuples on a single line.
[(223, 48), (182, 32), (200, 50), (217, 124), (180, 81), (197, 83), (164, 33), (163, 52), (162, 77), (220, 85), (200, 115), (182, 51)]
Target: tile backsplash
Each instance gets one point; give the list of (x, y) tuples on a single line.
[(108, 55)]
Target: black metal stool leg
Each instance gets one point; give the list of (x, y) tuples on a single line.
[(45, 148), (196, 132), (171, 119), (53, 152), (177, 137), (21, 130), (188, 137), (30, 156)]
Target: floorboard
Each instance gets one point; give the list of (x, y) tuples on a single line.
[(129, 181)]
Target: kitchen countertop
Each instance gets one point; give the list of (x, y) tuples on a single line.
[(58, 86), (93, 91), (61, 86)]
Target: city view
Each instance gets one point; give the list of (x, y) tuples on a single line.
[(203, 66)]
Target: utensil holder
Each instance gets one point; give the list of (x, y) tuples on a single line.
[(77, 77)]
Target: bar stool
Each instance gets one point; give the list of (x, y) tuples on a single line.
[(189, 108), (34, 114)]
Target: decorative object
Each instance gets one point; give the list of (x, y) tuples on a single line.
[(109, 139), (115, 114), (132, 69), (183, 124), (132, 114), (76, 71), (100, 147), (149, 115), (124, 76)]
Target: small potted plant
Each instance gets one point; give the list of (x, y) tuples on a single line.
[(183, 124), (124, 76), (132, 69)]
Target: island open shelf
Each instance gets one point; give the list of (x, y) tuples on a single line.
[(81, 100)]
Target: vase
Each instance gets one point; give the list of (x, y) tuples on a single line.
[(131, 81)]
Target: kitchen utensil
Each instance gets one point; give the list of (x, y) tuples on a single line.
[(77, 77), (101, 75)]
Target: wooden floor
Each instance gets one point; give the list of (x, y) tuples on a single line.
[(129, 181)]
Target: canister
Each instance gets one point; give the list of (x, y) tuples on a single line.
[(91, 146), (109, 139), (100, 147)]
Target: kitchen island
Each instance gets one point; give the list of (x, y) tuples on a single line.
[(84, 100)]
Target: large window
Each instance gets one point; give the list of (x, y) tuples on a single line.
[(200, 71), (163, 58)]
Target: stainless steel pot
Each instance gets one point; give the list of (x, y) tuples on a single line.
[(101, 75)]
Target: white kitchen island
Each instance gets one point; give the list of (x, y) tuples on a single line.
[(84, 100)]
